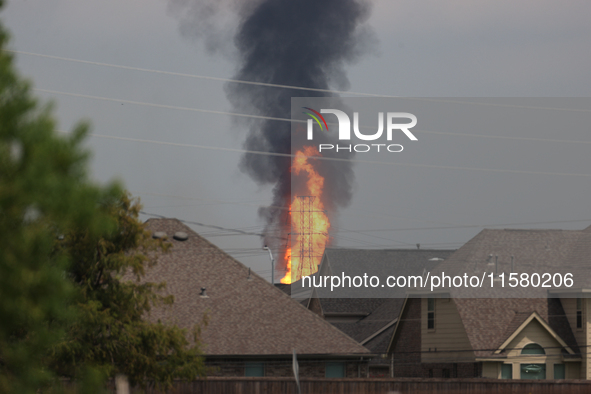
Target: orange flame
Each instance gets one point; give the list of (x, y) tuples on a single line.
[(304, 238)]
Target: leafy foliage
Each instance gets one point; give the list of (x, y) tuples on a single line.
[(43, 192), (65, 246), (113, 334)]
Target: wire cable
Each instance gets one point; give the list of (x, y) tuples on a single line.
[(339, 159)]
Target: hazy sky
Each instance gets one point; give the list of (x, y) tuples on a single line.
[(421, 49)]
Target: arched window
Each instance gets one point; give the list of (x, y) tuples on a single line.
[(532, 348)]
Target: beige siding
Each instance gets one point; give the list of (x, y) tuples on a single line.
[(491, 370), (573, 370), (534, 332), (449, 334), (570, 308)]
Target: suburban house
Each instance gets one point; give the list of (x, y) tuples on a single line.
[(252, 327), (370, 321), (544, 334)]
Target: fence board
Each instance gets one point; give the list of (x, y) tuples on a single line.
[(271, 385)]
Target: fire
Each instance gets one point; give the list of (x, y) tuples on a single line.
[(309, 222)]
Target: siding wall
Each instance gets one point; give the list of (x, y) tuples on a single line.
[(570, 308), (449, 335), (406, 352), (536, 333), (491, 370), (573, 371)]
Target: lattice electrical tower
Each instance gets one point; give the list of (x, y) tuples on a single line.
[(306, 245)]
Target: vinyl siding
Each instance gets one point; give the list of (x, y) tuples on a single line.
[(442, 343), (491, 370), (534, 332), (573, 370), (570, 309)]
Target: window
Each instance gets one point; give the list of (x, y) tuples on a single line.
[(533, 371), (430, 373), (445, 373), (507, 371), (559, 371), (430, 313), (254, 369), (532, 348), (454, 373), (579, 313), (335, 370)]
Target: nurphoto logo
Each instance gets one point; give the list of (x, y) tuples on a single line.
[(344, 132)]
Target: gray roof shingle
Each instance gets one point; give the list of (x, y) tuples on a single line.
[(247, 316), (374, 313), (490, 321)]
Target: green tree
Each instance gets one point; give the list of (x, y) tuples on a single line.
[(113, 333), (64, 246), (44, 192)]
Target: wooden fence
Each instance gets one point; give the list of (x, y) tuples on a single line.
[(232, 385)]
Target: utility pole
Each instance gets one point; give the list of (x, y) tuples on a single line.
[(272, 264)]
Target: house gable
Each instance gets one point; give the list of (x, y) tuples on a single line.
[(533, 330), (545, 353)]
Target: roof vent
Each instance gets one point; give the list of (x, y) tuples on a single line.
[(203, 294), (181, 236), (159, 235), (436, 259), (418, 246)]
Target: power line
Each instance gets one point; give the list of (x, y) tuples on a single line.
[(207, 225), (208, 111), (273, 85), (338, 159), (472, 226), (336, 230), (210, 200), (293, 87), (201, 110)]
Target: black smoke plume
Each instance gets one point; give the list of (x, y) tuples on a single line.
[(287, 42)]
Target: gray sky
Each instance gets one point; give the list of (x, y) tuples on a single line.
[(424, 48)]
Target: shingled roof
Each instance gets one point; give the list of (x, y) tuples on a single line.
[(357, 262), (490, 321), (376, 315), (247, 315), (531, 251)]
